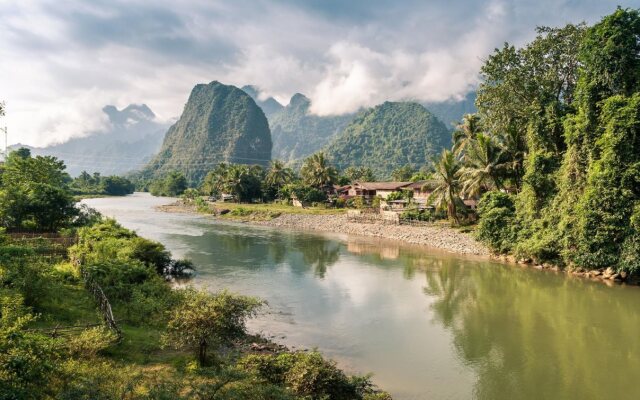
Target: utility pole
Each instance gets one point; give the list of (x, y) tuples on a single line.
[(5, 151)]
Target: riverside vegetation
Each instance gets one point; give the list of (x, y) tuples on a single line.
[(87, 312)]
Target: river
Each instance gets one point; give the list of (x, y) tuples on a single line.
[(426, 324)]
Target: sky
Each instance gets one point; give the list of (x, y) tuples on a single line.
[(61, 61)]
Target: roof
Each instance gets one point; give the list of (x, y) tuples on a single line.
[(381, 185), (430, 184)]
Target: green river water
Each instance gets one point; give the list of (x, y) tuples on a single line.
[(426, 324)]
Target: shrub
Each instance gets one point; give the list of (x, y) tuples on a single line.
[(202, 320), (90, 342), (309, 375), (497, 216)]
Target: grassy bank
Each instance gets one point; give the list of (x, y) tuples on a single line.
[(55, 344)]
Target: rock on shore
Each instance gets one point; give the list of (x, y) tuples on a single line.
[(443, 238)]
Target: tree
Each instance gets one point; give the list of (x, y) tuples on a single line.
[(403, 173), (465, 134), (361, 174), (317, 172), (174, 184), (446, 194), (484, 167), (34, 193), (277, 176), (202, 321)]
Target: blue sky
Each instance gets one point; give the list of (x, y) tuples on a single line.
[(63, 60)]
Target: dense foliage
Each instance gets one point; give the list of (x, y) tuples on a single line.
[(172, 185), (113, 185), (569, 104), (34, 193), (220, 123), (389, 136)]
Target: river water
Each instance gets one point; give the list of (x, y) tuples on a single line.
[(427, 325)]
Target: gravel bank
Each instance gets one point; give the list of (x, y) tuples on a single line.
[(433, 236)]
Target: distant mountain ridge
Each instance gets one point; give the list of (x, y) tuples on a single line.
[(131, 137), (389, 136), (296, 133), (220, 123), (270, 106)]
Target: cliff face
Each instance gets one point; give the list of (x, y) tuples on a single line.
[(298, 134), (220, 123), (389, 136)]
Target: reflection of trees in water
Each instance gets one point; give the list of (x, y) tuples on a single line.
[(531, 335), (317, 253)]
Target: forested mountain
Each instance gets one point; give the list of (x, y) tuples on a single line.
[(450, 112), (296, 133), (220, 123), (388, 136), (131, 137), (270, 106)]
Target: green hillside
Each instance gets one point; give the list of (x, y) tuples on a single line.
[(389, 136)]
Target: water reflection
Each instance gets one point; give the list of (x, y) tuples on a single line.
[(531, 335), (428, 325)]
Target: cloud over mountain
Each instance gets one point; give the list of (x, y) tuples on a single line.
[(64, 60)]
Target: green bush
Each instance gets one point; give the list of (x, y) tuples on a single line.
[(90, 342), (497, 217), (309, 375)]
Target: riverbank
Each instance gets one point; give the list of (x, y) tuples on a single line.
[(439, 237)]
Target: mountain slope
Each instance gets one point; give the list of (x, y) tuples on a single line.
[(270, 106), (220, 123), (389, 136), (451, 112), (296, 133), (131, 137)]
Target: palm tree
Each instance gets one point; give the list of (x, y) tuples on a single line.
[(278, 176), (485, 165), (448, 187), (465, 134), (514, 146), (317, 172)]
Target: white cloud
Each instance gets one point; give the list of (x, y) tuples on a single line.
[(63, 61)]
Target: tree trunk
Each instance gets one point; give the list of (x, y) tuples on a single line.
[(202, 352)]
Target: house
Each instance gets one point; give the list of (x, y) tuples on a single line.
[(369, 190)]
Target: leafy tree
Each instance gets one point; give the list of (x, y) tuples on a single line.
[(34, 193), (485, 166), (117, 186), (466, 133), (361, 174), (317, 172), (203, 321), (446, 194), (174, 184), (277, 176), (496, 228), (402, 174)]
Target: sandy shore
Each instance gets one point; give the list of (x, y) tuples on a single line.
[(439, 237)]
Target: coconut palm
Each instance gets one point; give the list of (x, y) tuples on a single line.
[(446, 194), (485, 166), (278, 176), (317, 172), (465, 134)]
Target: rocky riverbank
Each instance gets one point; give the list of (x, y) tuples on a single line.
[(436, 236), (440, 237)]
